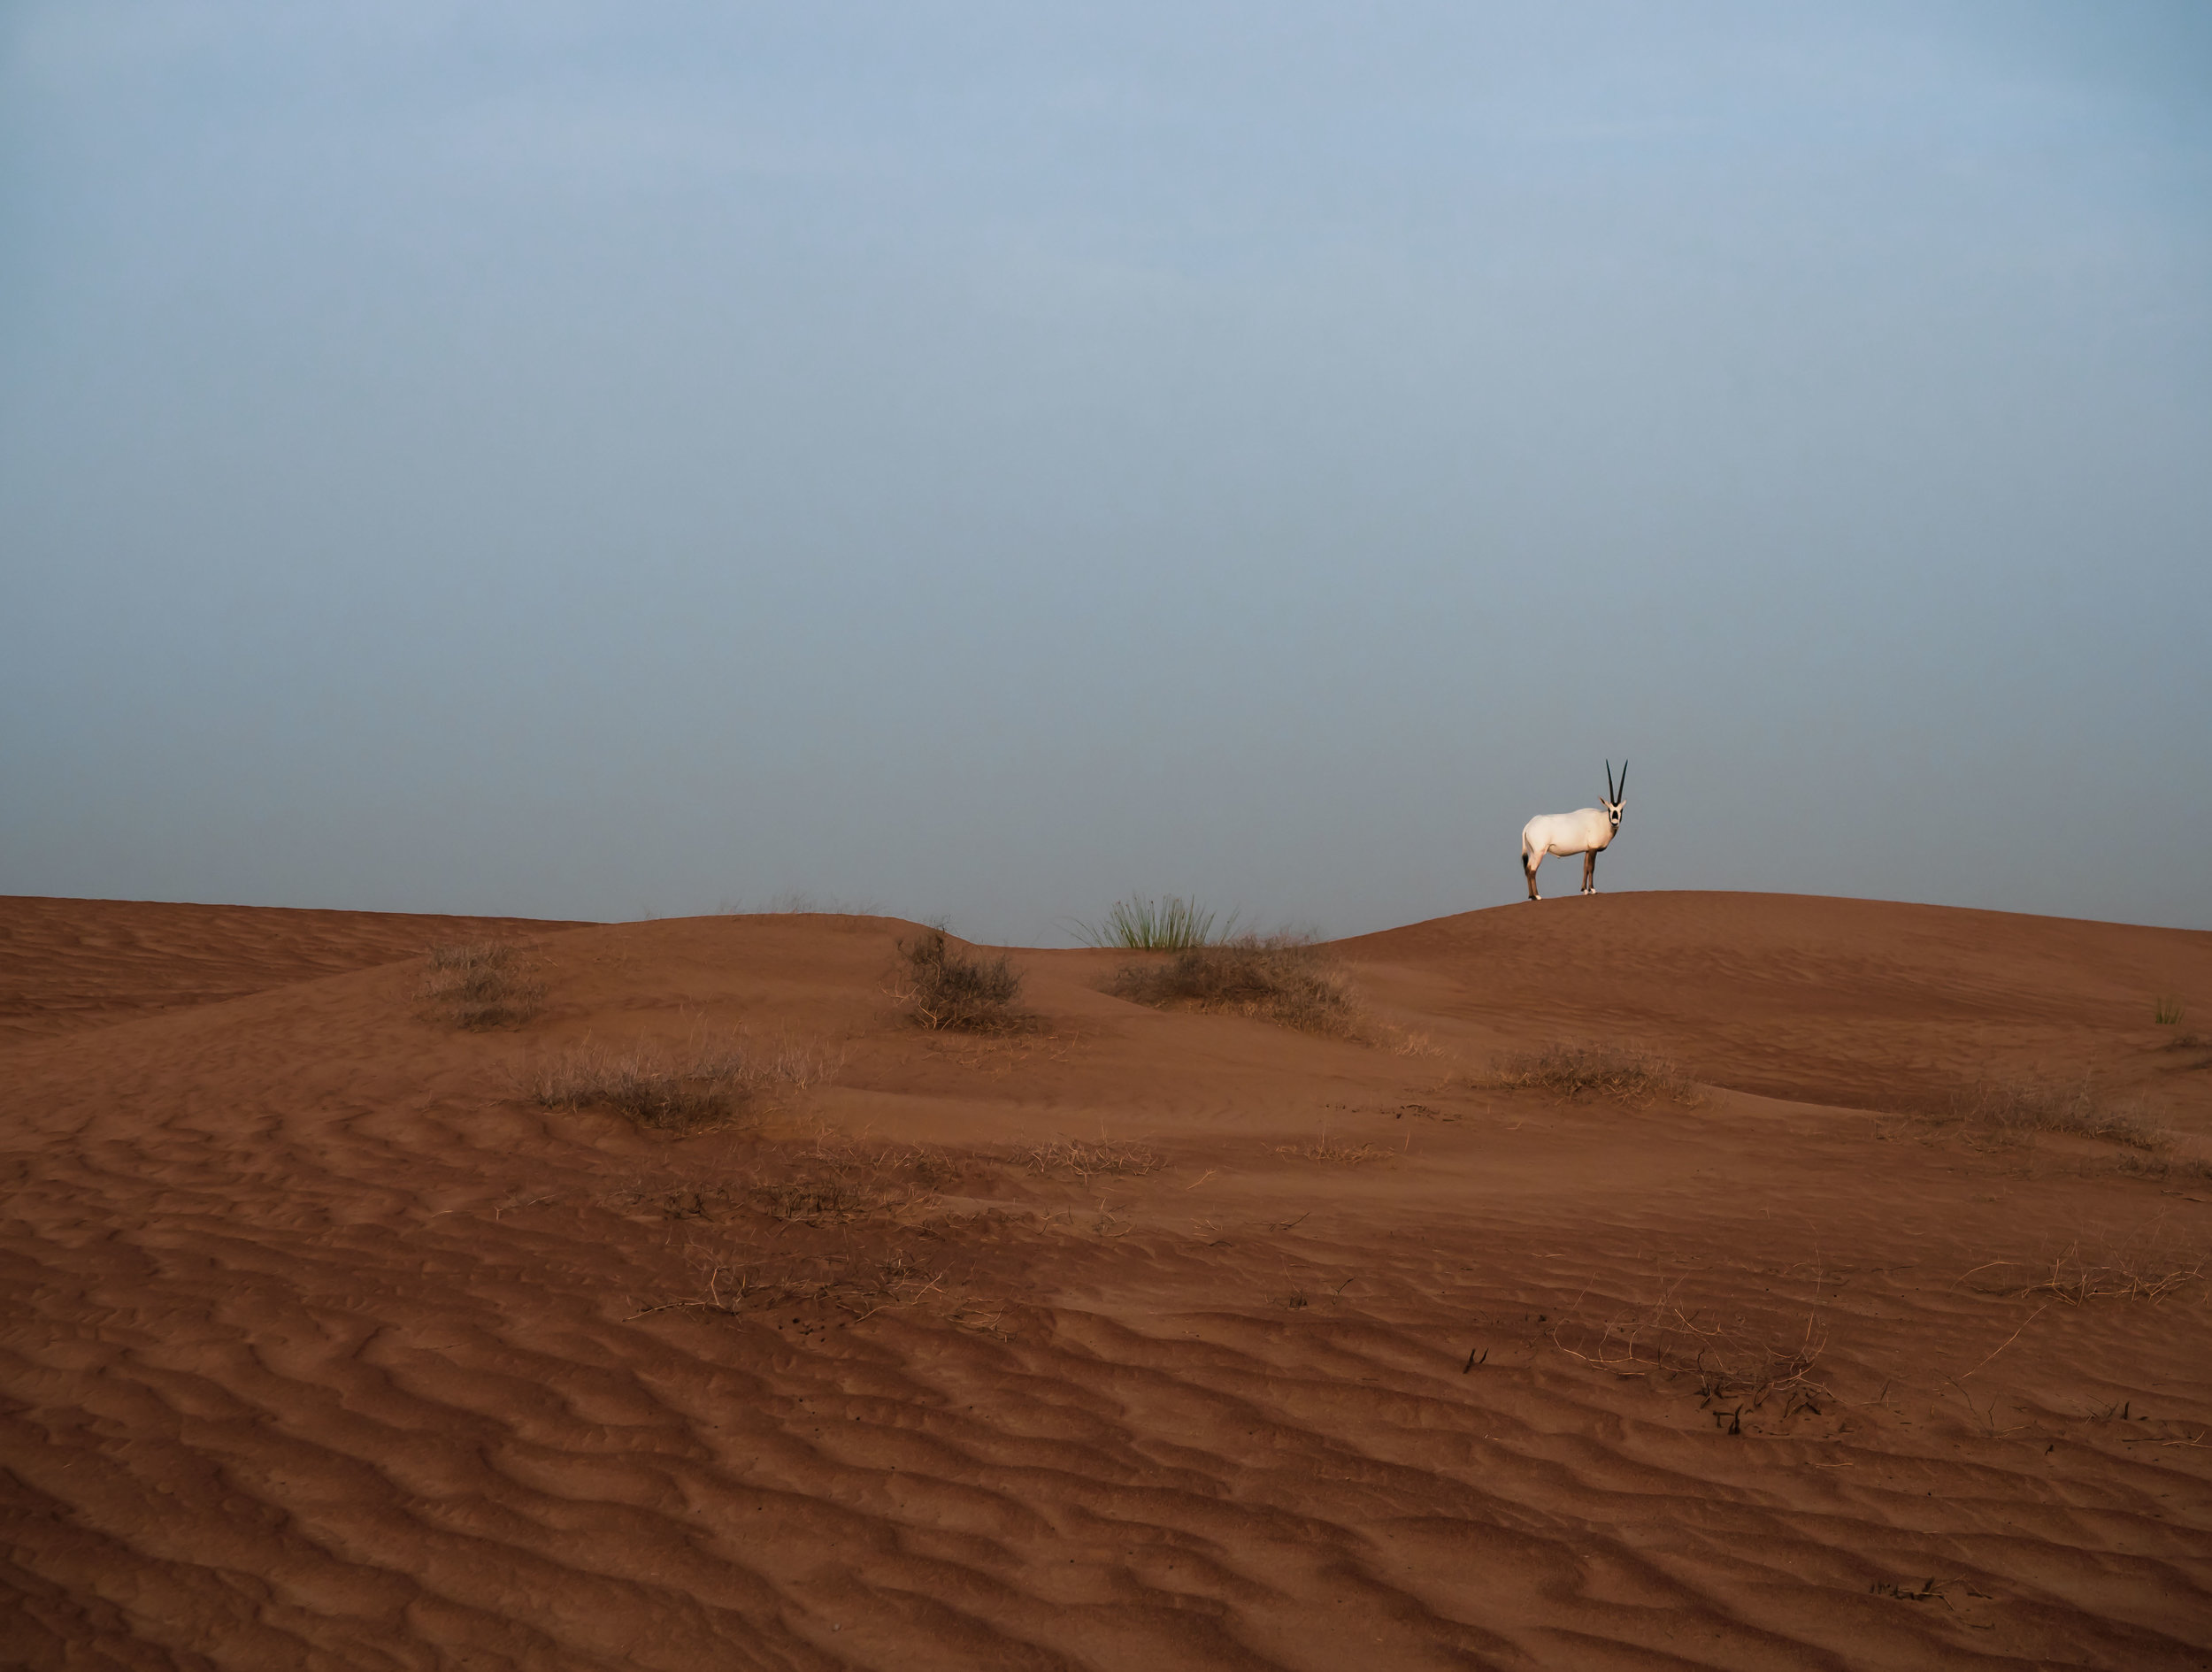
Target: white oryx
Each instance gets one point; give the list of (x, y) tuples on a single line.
[(1587, 833)]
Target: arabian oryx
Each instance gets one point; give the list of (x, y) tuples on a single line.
[(1587, 833)]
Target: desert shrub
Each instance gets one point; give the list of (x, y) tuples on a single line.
[(1279, 978), (1603, 1071), (706, 1083), (1140, 924), (481, 984), (2019, 1110), (2167, 1009), (945, 987)]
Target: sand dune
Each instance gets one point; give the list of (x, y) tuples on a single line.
[(74, 964), (1141, 1339)]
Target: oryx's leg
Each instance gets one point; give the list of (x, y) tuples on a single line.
[(1529, 863), (1590, 872)]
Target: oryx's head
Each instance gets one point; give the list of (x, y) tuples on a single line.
[(1613, 797)]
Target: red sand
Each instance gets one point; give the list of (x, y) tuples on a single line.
[(325, 1346)]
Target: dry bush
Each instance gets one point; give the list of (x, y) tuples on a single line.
[(946, 987), (1603, 1070), (1280, 978), (2019, 1110), (479, 984), (1113, 1158), (1733, 1361), (706, 1083), (2077, 1279)]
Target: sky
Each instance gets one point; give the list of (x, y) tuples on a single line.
[(977, 462)]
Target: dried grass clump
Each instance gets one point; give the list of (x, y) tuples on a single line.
[(947, 988), (1108, 1157), (1280, 978), (2023, 1108), (478, 984), (1602, 1070), (704, 1084), (1334, 1151)]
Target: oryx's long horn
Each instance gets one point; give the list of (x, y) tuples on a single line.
[(1608, 782), (1623, 788)]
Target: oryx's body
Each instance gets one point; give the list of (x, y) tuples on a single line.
[(1588, 833)]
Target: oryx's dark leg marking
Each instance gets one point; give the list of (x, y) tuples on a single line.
[(1590, 872)]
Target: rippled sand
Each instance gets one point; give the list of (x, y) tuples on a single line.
[(325, 1346)]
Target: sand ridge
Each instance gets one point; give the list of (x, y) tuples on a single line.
[(326, 1344), (72, 963)]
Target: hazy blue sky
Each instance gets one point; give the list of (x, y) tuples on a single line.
[(593, 459)]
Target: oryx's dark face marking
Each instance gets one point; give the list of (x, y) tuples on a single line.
[(1615, 796)]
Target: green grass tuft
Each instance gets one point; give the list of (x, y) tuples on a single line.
[(1140, 924)]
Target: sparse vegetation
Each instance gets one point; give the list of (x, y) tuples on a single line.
[(842, 1179), (708, 1083), (2075, 1278), (860, 1289), (1602, 1070), (1928, 1589), (1108, 1157), (1734, 1363), (1334, 1151), (1279, 978), (947, 988), (479, 984), (820, 1230), (1404, 1042), (2019, 1110), (830, 1200), (1140, 923), (2168, 1010), (797, 901)]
